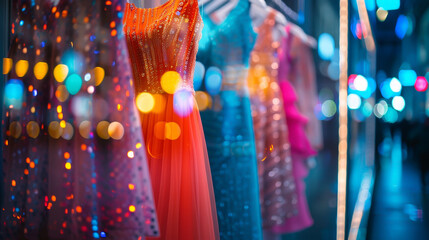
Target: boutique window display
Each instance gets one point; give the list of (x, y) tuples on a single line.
[(165, 119)]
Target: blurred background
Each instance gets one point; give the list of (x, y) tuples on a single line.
[(388, 109)]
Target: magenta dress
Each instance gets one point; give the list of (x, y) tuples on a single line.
[(301, 148)]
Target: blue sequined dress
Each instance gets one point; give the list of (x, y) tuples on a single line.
[(224, 52)]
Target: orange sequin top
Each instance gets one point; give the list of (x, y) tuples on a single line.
[(163, 39)]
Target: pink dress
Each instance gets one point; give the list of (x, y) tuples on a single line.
[(301, 146), (297, 66)]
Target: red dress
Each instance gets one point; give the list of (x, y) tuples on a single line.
[(162, 44)]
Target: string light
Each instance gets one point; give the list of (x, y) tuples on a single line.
[(343, 131)]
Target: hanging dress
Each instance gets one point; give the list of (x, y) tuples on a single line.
[(301, 146), (225, 112), (74, 161), (277, 184), (301, 74), (163, 44)]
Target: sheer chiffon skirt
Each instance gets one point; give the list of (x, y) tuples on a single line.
[(180, 171)]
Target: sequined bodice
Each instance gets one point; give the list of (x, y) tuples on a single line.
[(162, 39), (228, 45)]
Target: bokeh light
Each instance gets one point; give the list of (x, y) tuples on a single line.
[(380, 109), (407, 77), (21, 68), (61, 93), (172, 131), (60, 72), (40, 70), (85, 129), (382, 14), (360, 83), (99, 75), (103, 130), (68, 131), (386, 90), (15, 129), (183, 102), (73, 84), (14, 93), (329, 108), (55, 130), (7, 65), (326, 46), (367, 109), (145, 102), (370, 5), (402, 25), (351, 81), (116, 130), (398, 103), (389, 4), (33, 129), (354, 101), (170, 81), (421, 84), (198, 75), (391, 115), (203, 100), (213, 80), (395, 85), (81, 106)]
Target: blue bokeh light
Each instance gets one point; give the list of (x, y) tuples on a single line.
[(198, 75), (401, 28), (389, 4), (14, 93), (407, 77), (213, 80), (73, 84), (326, 46)]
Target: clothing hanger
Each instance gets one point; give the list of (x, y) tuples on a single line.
[(218, 10), (294, 29), (261, 3), (298, 32), (283, 8), (259, 12)]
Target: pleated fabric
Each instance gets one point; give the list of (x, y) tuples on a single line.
[(162, 44)]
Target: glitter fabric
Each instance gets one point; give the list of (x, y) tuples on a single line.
[(301, 150), (74, 161), (224, 51), (163, 44), (297, 124), (277, 185)]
